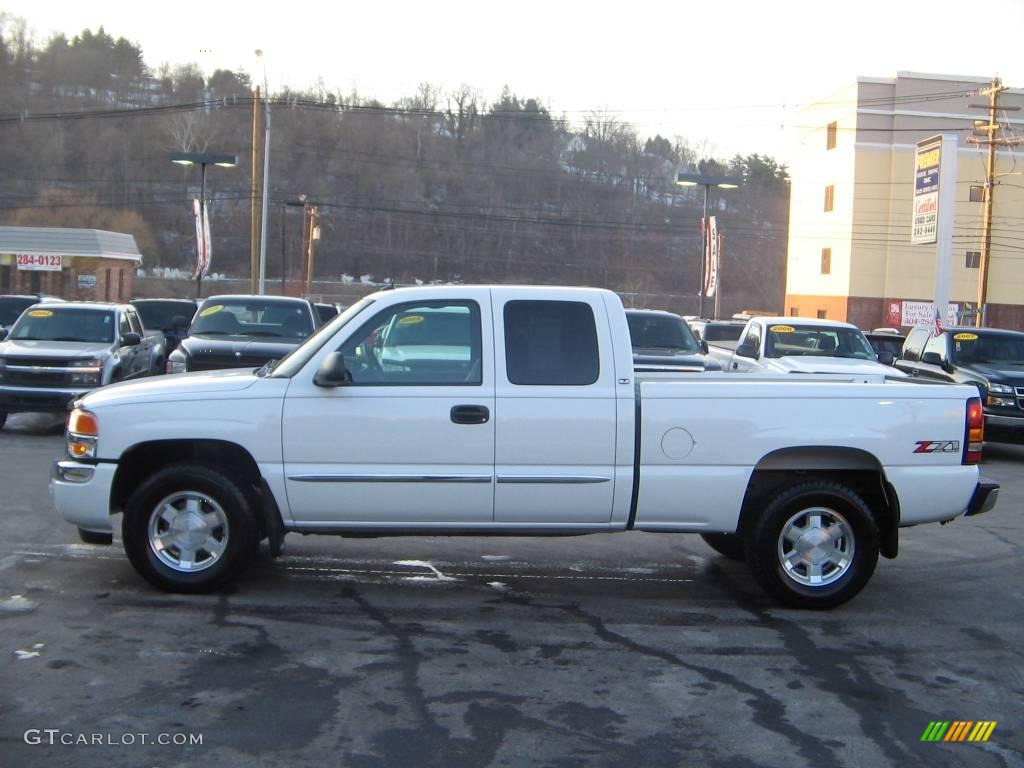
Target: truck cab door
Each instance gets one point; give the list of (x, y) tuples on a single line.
[(127, 354), (750, 340), (408, 441), (555, 438)]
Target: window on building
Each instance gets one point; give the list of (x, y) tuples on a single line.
[(794, 311), (106, 285), (5, 279), (830, 135), (823, 314), (120, 285), (830, 194), (826, 261), (972, 259)]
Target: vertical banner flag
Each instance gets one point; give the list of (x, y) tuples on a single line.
[(200, 239), (207, 248), (925, 226), (711, 257)]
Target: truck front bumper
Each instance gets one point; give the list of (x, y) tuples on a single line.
[(31, 399), (984, 498), (81, 493)]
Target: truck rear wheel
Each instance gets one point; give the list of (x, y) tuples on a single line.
[(729, 545), (189, 529), (815, 546)]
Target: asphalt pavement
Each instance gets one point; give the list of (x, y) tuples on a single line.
[(608, 650)]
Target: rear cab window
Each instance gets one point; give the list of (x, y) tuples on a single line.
[(551, 343)]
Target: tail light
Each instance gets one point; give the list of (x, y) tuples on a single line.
[(975, 431)]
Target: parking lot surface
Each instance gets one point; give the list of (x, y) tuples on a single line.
[(610, 650)]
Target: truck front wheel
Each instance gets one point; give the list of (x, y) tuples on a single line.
[(815, 546), (189, 529)]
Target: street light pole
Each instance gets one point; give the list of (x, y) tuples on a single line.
[(266, 181), (700, 179), (188, 159)]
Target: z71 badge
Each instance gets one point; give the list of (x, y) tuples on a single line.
[(937, 446)]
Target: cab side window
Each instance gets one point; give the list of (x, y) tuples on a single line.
[(914, 345), (136, 323), (551, 343), (937, 344), (425, 343), (125, 325)]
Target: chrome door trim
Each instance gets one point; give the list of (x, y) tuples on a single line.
[(391, 478), (553, 479)]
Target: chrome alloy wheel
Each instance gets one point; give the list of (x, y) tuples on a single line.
[(188, 531), (816, 547)]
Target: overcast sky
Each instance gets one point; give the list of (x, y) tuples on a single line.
[(730, 72)]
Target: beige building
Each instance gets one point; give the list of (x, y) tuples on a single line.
[(850, 256), (81, 264)]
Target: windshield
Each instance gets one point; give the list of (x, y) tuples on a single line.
[(792, 340), (11, 308), (291, 363), (660, 332), (64, 324), (161, 314), (994, 349), (253, 317), (723, 332)]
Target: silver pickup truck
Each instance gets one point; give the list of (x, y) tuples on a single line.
[(56, 353)]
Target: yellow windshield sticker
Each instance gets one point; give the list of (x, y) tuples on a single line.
[(782, 328), (212, 310), (411, 320), (40, 313), (966, 337)]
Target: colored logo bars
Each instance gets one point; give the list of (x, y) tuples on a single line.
[(958, 730)]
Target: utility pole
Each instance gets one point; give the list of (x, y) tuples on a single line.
[(254, 222), (990, 128)]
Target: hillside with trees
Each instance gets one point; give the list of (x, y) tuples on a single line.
[(440, 185)]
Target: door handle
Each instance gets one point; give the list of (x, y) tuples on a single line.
[(470, 414)]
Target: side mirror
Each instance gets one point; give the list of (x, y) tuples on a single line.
[(704, 346), (179, 323), (131, 339), (932, 358), (886, 358), (747, 349), (332, 372)]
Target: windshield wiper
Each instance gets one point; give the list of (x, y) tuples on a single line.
[(266, 369), (262, 333), (212, 333)]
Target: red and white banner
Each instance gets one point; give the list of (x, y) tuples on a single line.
[(914, 313), (202, 215), (38, 262), (711, 245)]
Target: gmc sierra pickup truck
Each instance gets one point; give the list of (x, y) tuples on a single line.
[(515, 411)]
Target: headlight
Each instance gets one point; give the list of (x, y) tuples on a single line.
[(176, 364), (83, 433), (1000, 389), (86, 373)]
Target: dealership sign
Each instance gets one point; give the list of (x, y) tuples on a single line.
[(38, 262), (912, 313), (926, 191)]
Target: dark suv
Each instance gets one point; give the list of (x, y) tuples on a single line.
[(990, 358)]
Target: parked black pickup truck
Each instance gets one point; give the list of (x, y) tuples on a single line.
[(172, 316), (990, 358), (662, 341), (243, 332)]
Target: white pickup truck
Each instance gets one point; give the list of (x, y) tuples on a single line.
[(514, 411), (774, 345)]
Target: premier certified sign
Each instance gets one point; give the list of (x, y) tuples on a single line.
[(38, 262), (926, 191)]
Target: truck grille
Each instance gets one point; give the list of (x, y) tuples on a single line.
[(220, 362), (35, 372)]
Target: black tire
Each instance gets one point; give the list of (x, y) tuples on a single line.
[(729, 545), (159, 368), (230, 542), (3, 418), (778, 564), (94, 537)]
